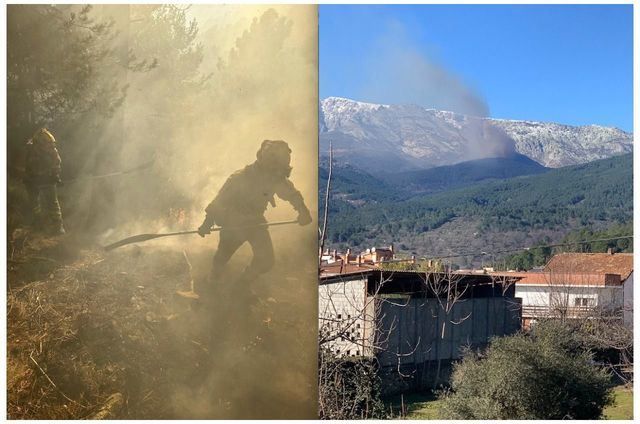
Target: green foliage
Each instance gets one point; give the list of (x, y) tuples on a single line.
[(558, 200), (528, 259), (349, 388), (418, 266), (622, 407), (617, 246), (546, 374), (539, 256)]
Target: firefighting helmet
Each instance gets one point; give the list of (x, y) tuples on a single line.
[(43, 137), (275, 156)]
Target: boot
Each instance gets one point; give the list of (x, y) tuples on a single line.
[(57, 229)]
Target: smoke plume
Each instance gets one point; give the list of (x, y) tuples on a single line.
[(399, 72)]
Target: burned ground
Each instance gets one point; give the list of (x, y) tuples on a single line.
[(94, 334)]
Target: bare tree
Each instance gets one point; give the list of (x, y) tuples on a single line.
[(448, 291), (593, 308), (323, 234)]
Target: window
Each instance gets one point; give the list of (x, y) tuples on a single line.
[(584, 301)]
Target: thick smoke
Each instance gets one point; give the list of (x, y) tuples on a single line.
[(399, 72), (202, 114), (485, 140), (218, 81)]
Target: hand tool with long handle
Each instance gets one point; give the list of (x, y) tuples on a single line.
[(144, 237)]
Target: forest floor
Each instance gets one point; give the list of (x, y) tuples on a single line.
[(94, 334)]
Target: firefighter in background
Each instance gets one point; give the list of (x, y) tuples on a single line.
[(240, 205), (42, 174)]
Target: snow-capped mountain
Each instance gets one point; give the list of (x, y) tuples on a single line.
[(399, 137)]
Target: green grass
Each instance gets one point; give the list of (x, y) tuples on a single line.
[(418, 406), (622, 407), (424, 406)]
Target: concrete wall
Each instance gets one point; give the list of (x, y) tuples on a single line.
[(413, 334), (414, 354)]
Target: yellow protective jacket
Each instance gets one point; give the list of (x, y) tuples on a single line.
[(43, 164)]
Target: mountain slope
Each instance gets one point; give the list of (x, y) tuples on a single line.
[(442, 178), (357, 187), (492, 215), (388, 138)]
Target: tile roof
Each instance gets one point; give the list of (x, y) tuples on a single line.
[(592, 263), (568, 279)]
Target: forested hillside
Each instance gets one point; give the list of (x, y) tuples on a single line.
[(595, 195)]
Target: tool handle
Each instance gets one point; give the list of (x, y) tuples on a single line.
[(144, 237)]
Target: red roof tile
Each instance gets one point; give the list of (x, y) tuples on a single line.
[(592, 263), (569, 279)]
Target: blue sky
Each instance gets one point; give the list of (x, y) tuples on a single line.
[(571, 64)]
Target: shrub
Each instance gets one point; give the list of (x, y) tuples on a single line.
[(546, 374), (349, 388)]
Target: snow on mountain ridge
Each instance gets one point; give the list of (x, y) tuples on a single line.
[(423, 138)]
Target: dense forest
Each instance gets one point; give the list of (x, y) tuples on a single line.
[(590, 197)]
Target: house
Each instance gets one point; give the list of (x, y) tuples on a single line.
[(578, 285), (378, 254), (408, 323), (371, 256)]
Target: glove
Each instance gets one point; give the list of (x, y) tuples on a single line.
[(304, 217), (205, 228)]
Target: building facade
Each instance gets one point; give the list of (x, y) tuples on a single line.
[(414, 324), (578, 285)]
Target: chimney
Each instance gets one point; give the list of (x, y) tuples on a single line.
[(347, 256), (413, 259), (359, 260), (334, 254), (610, 251)]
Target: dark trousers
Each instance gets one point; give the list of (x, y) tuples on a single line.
[(44, 205), (231, 240)]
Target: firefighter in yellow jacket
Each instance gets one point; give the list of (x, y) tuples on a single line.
[(240, 205), (42, 174)]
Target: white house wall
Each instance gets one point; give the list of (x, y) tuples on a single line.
[(628, 301), (342, 309), (607, 296)]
